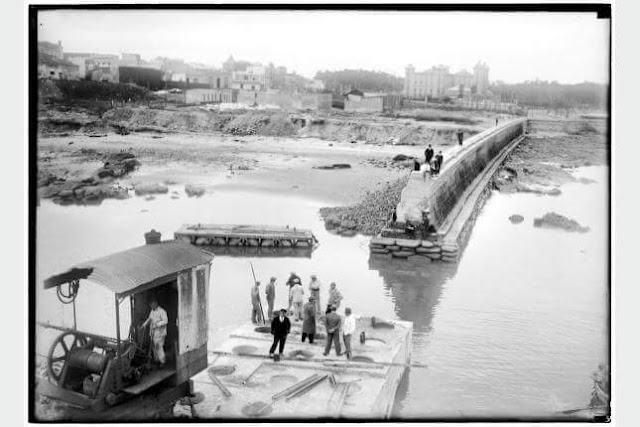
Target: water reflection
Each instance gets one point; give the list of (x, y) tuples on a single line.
[(416, 287)]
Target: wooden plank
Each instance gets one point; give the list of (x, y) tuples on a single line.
[(217, 382), (45, 388), (149, 380), (327, 362)]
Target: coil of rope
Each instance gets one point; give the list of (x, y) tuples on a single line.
[(69, 295)]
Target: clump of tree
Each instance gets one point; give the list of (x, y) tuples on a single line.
[(339, 82), (553, 95), (101, 91)]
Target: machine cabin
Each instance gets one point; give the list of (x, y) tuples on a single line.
[(90, 370)]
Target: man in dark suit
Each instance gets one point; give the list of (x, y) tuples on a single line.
[(280, 327), (428, 154)]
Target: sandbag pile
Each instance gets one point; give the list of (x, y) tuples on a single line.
[(406, 248)]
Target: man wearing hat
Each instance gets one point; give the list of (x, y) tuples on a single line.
[(333, 322), (334, 295), (314, 287), (293, 277), (280, 327), (256, 312), (270, 292), (297, 300), (309, 320)]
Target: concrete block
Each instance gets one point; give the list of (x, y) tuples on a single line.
[(402, 254), (380, 251), (432, 250), (383, 241), (406, 243)]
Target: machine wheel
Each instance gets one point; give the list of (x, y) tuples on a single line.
[(62, 345)]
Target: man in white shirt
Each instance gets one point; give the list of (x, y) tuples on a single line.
[(348, 329), (297, 299), (158, 319)]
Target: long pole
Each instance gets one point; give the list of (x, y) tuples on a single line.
[(264, 321)]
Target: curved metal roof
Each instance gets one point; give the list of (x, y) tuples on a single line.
[(136, 269)]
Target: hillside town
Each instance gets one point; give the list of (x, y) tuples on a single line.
[(252, 83)]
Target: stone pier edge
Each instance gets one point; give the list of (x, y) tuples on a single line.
[(448, 246)]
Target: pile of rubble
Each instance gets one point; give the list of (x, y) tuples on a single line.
[(370, 215), (399, 162)]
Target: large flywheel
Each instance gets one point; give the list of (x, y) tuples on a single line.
[(60, 349)]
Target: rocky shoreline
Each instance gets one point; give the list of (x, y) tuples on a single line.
[(92, 189), (370, 215)]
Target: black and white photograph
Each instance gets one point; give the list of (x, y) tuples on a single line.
[(268, 213)]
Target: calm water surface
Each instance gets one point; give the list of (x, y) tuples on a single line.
[(516, 328)]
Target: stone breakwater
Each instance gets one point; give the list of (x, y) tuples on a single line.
[(422, 250)]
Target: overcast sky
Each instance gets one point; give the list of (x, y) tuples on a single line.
[(567, 47)]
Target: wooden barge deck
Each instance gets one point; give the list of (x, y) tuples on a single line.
[(264, 236), (241, 381)]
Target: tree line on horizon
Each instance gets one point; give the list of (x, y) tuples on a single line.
[(553, 95)]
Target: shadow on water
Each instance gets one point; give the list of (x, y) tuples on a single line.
[(416, 288)]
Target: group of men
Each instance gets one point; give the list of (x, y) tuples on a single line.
[(310, 313), (432, 163)]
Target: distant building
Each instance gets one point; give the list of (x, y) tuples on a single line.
[(359, 102), (79, 59), (130, 60), (434, 82), (51, 49), (103, 68), (315, 86), (275, 76), (206, 96), (458, 91), (52, 67), (245, 75), (481, 74), (252, 78)]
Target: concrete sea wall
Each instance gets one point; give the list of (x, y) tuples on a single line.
[(453, 200), (451, 185)]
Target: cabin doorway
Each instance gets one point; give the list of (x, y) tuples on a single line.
[(167, 297)]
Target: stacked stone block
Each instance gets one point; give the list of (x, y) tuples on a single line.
[(422, 250)]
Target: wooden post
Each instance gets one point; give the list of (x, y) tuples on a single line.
[(118, 377)]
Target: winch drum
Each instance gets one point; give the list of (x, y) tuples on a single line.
[(88, 360)]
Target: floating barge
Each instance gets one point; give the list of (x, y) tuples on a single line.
[(241, 381), (257, 236)]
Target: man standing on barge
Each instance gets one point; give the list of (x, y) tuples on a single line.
[(158, 319), (280, 327)]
